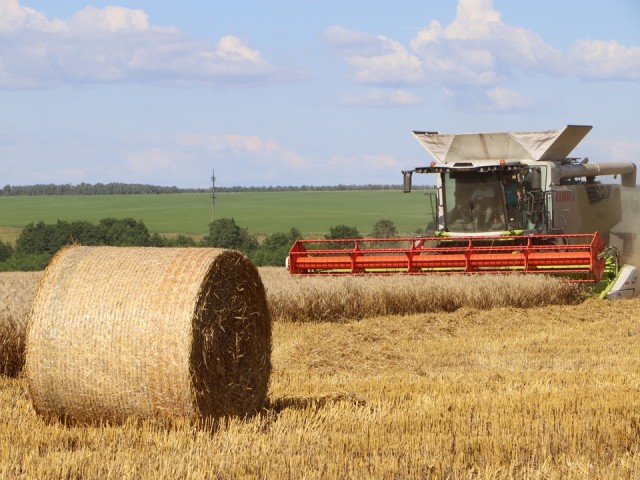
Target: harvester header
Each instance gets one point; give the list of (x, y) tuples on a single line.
[(579, 261)]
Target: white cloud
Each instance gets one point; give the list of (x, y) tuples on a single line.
[(116, 44), (393, 64), (378, 97), (351, 42), (602, 60), (505, 100), (254, 149), (480, 99), (186, 160), (14, 17), (477, 48), (375, 59), (437, 54), (240, 159), (614, 150), (474, 19), (111, 19)]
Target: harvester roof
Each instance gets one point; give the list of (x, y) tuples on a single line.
[(548, 145)]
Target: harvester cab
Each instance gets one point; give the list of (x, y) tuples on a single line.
[(510, 183), (505, 202)]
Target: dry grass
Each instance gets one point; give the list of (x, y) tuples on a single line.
[(319, 299), (17, 290)]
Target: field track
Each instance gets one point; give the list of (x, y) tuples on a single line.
[(506, 392)]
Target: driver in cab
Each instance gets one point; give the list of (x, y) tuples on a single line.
[(483, 203)]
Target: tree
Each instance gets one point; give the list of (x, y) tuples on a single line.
[(342, 231), (275, 249), (125, 232), (25, 263), (5, 251), (78, 231), (384, 229), (225, 233), (179, 240), (37, 238)]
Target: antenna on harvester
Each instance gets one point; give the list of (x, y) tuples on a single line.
[(213, 195)]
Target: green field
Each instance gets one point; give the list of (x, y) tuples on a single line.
[(260, 212)]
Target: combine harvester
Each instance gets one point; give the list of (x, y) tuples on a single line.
[(508, 202)]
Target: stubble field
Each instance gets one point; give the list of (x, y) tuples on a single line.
[(512, 381)]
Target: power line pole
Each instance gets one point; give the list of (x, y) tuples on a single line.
[(213, 196)]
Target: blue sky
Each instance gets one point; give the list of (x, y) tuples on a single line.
[(301, 92)]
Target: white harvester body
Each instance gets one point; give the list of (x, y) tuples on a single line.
[(532, 186)]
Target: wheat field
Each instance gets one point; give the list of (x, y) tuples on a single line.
[(484, 391), (346, 298)]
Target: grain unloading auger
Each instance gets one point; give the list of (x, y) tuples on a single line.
[(506, 202)]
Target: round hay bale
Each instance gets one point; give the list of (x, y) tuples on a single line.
[(155, 333), (17, 290)]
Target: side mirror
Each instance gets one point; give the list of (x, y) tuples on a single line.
[(407, 180)]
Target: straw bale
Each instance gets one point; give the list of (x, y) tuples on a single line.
[(16, 295), (150, 333)]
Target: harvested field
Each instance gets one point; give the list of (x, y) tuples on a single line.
[(509, 392), (505, 393)]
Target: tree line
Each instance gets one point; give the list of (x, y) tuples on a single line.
[(38, 242), (92, 189), (143, 189)]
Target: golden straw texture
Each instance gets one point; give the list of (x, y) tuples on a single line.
[(301, 298), (16, 294), (155, 333)]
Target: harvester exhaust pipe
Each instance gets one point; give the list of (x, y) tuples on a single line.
[(407, 180)]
